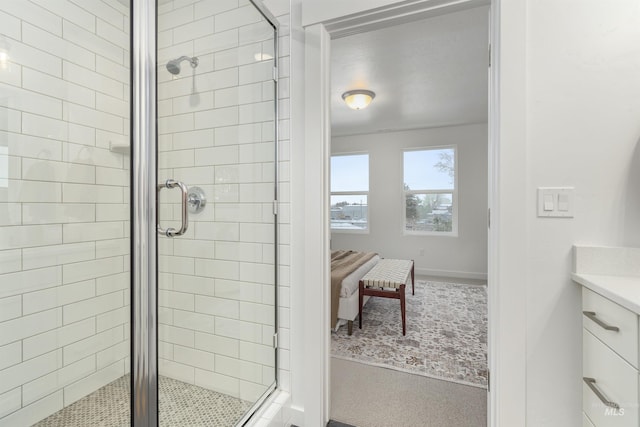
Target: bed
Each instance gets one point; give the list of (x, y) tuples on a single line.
[(347, 268)]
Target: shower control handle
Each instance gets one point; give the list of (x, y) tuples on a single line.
[(172, 232), (196, 199)]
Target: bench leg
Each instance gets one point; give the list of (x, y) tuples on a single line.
[(413, 278), (350, 327), (402, 310), (360, 297)]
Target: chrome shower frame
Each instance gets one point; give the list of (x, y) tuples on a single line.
[(144, 261)]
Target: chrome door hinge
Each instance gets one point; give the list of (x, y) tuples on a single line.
[(275, 340), (488, 381), (489, 56), (489, 218), (275, 207), (275, 74)]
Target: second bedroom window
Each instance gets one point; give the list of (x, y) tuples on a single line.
[(350, 193)]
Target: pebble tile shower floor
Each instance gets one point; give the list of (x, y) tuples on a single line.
[(181, 404)]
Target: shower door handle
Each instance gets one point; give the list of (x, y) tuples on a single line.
[(172, 232)]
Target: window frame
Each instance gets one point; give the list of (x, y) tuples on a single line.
[(453, 192), (351, 193)]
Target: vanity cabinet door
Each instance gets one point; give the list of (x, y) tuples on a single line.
[(608, 378), (600, 313)]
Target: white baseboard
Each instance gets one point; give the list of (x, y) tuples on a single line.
[(297, 416), (447, 273)]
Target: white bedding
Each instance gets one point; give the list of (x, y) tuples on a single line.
[(349, 293), (351, 282)]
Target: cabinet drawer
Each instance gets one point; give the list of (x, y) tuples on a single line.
[(614, 378), (623, 341)]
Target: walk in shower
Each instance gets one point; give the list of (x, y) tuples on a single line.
[(138, 220)]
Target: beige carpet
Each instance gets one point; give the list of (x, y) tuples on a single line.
[(369, 396)]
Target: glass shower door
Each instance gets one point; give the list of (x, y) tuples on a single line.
[(216, 264)]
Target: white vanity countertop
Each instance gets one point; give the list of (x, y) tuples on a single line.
[(624, 290)]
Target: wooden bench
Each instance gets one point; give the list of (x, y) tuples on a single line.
[(388, 279)]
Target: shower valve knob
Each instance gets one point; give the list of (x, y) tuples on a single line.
[(196, 200)]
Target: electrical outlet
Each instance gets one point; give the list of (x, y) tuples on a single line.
[(421, 251)]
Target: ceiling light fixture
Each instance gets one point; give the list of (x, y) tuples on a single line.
[(358, 99)]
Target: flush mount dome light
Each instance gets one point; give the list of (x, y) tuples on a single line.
[(358, 99)]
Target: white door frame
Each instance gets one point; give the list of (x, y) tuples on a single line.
[(507, 180)]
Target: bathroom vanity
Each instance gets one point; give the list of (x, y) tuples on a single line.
[(610, 279)]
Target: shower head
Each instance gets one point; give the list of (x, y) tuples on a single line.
[(173, 66)]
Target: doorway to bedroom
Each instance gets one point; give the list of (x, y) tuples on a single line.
[(409, 175)]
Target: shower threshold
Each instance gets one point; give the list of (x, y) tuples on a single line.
[(181, 404)]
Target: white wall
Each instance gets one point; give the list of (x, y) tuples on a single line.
[(583, 129), (64, 283), (462, 256)]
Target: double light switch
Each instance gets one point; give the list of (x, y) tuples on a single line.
[(555, 202)]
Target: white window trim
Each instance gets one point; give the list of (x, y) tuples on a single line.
[(353, 193), (453, 192)]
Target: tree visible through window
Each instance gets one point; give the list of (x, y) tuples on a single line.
[(350, 192), (430, 191)]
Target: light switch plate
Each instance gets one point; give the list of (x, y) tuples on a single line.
[(561, 204)]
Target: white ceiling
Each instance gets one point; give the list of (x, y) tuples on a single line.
[(426, 73)]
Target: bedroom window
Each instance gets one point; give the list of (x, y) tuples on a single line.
[(350, 193), (430, 191)]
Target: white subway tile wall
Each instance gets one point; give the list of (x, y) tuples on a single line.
[(64, 211), (216, 126)]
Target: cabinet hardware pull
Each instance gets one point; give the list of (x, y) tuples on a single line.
[(591, 382), (592, 315)]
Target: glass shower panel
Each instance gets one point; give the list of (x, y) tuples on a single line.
[(64, 212), (217, 286)]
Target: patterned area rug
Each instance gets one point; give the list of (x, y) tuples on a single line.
[(446, 333)]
